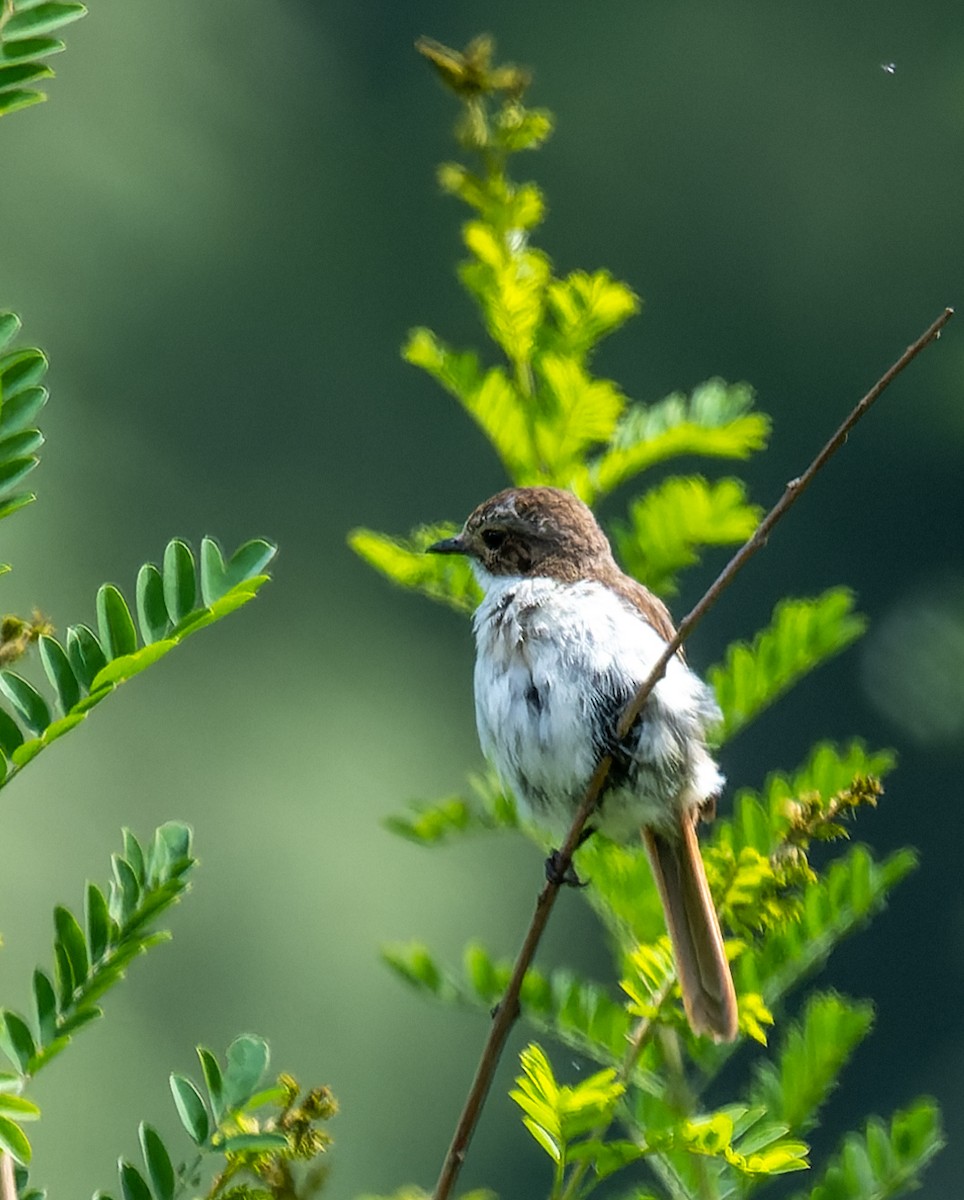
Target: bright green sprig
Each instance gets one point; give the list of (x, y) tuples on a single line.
[(550, 419)]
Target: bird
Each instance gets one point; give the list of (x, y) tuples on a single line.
[(564, 638)]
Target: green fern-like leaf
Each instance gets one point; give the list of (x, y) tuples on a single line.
[(577, 413), (489, 397), (671, 522), (579, 1013), (812, 1055), (25, 29), (444, 577), (884, 1161), (715, 422), (853, 888), (22, 396), (801, 635), (91, 956), (585, 307), (556, 1114), (91, 665), (486, 807)]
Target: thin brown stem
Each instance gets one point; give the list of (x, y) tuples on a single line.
[(8, 1181), (508, 1010)]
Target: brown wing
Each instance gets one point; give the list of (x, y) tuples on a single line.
[(642, 599)]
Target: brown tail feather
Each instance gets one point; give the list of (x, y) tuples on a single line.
[(694, 930)]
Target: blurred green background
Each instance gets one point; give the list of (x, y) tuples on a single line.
[(220, 228)]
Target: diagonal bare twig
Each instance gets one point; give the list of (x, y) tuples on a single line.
[(508, 1011)]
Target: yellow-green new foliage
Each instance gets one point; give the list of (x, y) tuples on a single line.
[(637, 1109)]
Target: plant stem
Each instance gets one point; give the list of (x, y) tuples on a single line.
[(508, 1011), (8, 1180)]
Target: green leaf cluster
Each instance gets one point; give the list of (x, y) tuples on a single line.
[(93, 950), (25, 41), (550, 419), (86, 667), (255, 1138), (262, 1129), (91, 955), (801, 634), (884, 1160), (22, 396)]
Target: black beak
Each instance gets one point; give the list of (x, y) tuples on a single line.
[(452, 545)]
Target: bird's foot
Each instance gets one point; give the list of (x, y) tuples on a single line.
[(559, 877)]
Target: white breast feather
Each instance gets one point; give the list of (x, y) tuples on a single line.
[(551, 636)]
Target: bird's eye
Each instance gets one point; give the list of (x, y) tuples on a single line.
[(493, 538)]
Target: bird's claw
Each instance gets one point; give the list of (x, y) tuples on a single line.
[(562, 877)]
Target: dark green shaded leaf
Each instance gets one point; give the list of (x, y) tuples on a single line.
[(71, 937), (24, 441), (11, 735), (248, 561), (15, 100), (63, 976), (246, 1065), (45, 1004), (14, 470), (213, 1081), (114, 622), (134, 854), (59, 672), (125, 895), (151, 610), (16, 1040), (20, 409), (98, 922), (22, 50), (133, 1185), (20, 369), (212, 571), (180, 580), (190, 1108), (30, 705), (25, 72), (170, 851), (42, 18), (85, 653), (157, 1161)]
